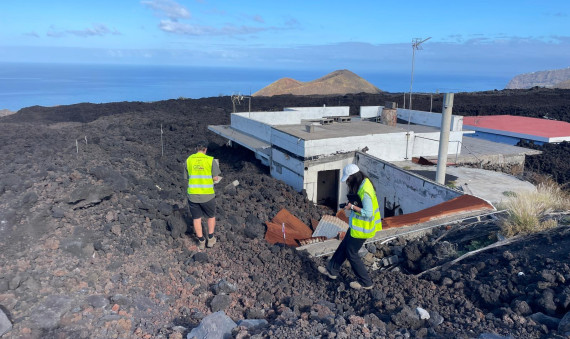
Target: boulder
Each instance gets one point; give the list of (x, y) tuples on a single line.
[(88, 196), (253, 323), (5, 323), (564, 325), (407, 318), (216, 325), (97, 301), (550, 322), (220, 302), (223, 287), (48, 314), (176, 224)]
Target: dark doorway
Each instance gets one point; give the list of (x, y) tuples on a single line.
[(327, 188)]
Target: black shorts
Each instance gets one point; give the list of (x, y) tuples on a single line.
[(207, 209)]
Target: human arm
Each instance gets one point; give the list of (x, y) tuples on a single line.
[(365, 210), (215, 170)]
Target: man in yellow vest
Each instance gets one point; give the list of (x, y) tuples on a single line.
[(364, 222), (202, 171)]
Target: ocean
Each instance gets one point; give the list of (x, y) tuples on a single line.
[(23, 84)]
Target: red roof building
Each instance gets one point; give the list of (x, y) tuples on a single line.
[(511, 129)]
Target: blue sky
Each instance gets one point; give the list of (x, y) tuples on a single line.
[(475, 37)]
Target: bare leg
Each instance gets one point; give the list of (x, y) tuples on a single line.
[(198, 227), (211, 225)]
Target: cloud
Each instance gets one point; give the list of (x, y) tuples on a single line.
[(176, 19), (292, 23), (168, 8), (176, 27), (32, 34), (96, 30)]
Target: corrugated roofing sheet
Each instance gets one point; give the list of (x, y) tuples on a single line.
[(459, 205), (285, 228), (329, 226)]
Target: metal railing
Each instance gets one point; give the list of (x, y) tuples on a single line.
[(459, 145)]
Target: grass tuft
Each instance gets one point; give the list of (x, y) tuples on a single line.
[(527, 211)]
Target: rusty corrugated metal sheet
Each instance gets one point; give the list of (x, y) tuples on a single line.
[(464, 203), (342, 216), (295, 229), (329, 226)]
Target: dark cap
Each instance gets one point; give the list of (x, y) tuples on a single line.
[(202, 144)]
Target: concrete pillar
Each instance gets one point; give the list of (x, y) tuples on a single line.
[(444, 137), (389, 116)]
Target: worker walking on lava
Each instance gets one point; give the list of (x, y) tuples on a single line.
[(202, 172), (364, 222)]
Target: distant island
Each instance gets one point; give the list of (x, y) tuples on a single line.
[(5, 112), (558, 78), (336, 83)]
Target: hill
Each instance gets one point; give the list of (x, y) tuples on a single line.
[(563, 85), (338, 82), (541, 79)]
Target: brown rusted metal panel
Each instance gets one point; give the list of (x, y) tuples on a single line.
[(464, 203), (295, 229)]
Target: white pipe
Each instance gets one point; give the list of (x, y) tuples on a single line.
[(444, 137)]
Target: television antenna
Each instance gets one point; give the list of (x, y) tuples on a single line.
[(237, 99), (416, 45)]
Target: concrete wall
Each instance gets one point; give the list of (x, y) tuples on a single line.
[(287, 176), (429, 119), (319, 112), (370, 111), (391, 147), (412, 192), (292, 116), (288, 142), (312, 172), (293, 164), (252, 127)]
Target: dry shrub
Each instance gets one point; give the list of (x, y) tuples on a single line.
[(526, 211)]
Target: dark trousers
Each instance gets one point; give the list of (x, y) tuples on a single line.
[(348, 249)]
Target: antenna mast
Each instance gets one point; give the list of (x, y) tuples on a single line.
[(416, 42)]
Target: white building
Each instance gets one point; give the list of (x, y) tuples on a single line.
[(307, 148)]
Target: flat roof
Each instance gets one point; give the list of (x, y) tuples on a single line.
[(338, 130), (520, 125)]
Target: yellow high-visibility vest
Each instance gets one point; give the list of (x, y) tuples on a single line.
[(199, 167), (366, 227)]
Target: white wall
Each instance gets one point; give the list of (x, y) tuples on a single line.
[(288, 142), (319, 112), (292, 116), (254, 128), (311, 178), (412, 192), (287, 176), (370, 111), (429, 118), (285, 160), (390, 147)]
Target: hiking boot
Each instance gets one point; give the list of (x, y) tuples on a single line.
[(356, 285), (201, 244), (323, 270), (211, 241)]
